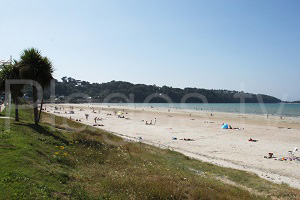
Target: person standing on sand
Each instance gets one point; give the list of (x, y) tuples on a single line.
[(154, 121)]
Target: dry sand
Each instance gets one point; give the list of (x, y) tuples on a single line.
[(224, 147)]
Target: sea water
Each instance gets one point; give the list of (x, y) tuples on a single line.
[(280, 109)]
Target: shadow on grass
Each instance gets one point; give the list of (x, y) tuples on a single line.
[(40, 129)]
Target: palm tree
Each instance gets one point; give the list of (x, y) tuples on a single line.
[(35, 67), (9, 72)]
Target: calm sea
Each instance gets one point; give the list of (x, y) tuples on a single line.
[(251, 108)]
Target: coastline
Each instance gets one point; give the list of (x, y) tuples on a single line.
[(227, 148), (198, 107)]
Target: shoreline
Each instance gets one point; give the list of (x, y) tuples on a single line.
[(131, 105), (227, 148)]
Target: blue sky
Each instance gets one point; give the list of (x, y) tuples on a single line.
[(250, 45)]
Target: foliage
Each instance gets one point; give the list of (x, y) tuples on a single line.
[(99, 92), (34, 66), (11, 72)]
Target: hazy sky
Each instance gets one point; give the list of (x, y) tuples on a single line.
[(222, 44)]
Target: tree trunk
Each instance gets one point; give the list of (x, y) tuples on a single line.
[(41, 109), (35, 105), (17, 108)]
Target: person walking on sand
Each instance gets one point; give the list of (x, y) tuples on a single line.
[(154, 121), (86, 116)]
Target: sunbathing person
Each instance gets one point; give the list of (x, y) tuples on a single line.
[(187, 139), (271, 155), (98, 125), (251, 140)]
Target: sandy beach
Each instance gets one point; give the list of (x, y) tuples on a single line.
[(199, 135)]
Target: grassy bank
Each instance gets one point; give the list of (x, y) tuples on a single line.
[(66, 160)]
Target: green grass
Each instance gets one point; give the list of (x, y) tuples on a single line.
[(69, 160)]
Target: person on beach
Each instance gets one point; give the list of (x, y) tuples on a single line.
[(154, 121), (86, 116)]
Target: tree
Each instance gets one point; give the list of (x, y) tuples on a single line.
[(11, 72), (35, 67), (64, 79)]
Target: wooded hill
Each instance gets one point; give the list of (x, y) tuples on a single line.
[(99, 91)]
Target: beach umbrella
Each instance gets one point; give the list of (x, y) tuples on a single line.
[(120, 113), (225, 126)]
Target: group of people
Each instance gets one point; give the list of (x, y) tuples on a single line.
[(59, 107), (97, 119), (151, 122)]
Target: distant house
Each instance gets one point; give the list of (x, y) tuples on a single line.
[(6, 62), (78, 82)]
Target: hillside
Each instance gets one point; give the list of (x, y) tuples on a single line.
[(98, 92), (73, 161)]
